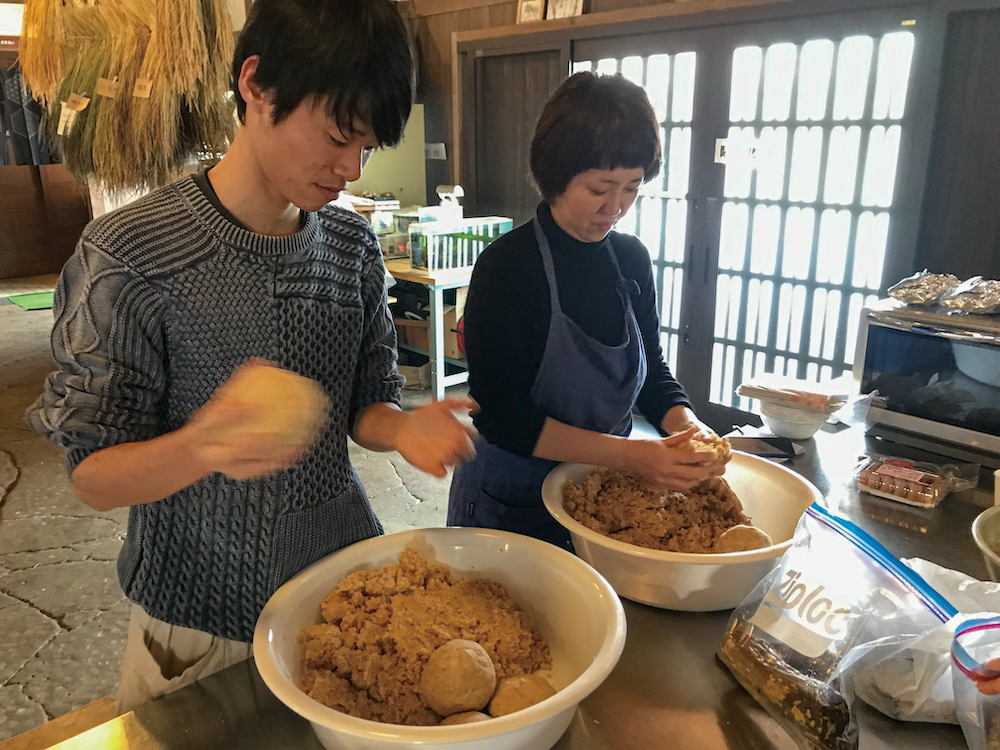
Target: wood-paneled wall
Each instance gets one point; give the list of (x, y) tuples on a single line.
[(434, 21), (960, 231), (434, 26), (42, 213)]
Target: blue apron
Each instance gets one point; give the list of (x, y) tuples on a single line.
[(581, 382)]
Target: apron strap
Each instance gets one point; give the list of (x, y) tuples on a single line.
[(627, 288), (550, 270)]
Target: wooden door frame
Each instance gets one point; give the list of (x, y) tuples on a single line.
[(669, 17)]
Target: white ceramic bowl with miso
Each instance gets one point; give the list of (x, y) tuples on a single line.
[(773, 498), (571, 609)]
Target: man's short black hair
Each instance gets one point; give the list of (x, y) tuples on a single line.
[(352, 55), (594, 122)]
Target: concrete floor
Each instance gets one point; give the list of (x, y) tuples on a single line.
[(63, 619)]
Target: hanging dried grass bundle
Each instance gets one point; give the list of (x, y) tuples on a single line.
[(115, 162), (177, 55), (41, 51), (89, 55), (209, 124), (154, 137), (220, 44), (184, 47), (213, 109)]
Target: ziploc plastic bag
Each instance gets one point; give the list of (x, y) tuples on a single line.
[(835, 590), (976, 643), (915, 683)]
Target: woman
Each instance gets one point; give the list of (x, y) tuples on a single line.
[(562, 331)]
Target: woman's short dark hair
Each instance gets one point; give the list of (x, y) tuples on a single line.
[(594, 122), (353, 55)]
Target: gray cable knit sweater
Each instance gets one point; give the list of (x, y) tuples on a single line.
[(162, 300)]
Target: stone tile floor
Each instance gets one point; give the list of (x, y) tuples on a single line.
[(63, 619)]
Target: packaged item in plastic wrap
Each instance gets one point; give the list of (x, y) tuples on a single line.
[(913, 482), (974, 652), (924, 288), (789, 643), (800, 394), (978, 296)]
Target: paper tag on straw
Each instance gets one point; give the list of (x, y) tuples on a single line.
[(143, 88), (107, 87), (76, 102), (67, 117)]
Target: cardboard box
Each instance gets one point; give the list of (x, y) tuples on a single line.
[(417, 333), (417, 378), (451, 318)]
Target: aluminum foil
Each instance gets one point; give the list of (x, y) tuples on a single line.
[(923, 288), (977, 295)]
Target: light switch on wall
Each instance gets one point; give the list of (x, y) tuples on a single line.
[(435, 151)]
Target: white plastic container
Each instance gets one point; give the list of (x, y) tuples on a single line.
[(790, 421), (574, 608), (772, 496)]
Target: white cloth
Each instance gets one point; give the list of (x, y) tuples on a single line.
[(161, 658)]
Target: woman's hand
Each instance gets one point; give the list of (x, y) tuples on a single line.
[(432, 439), (663, 464), (681, 419)]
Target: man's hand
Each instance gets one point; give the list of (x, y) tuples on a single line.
[(432, 439), (224, 436), (247, 456)]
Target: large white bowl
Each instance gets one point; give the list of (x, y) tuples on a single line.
[(772, 496), (789, 421), (573, 607)]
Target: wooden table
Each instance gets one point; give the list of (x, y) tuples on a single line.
[(436, 282)]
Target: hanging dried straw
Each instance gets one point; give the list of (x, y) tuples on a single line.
[(41, 52), (117, 158), (177, 55), (134, 144), (88, 56), (213, 109), (218, 25), (185, 48)]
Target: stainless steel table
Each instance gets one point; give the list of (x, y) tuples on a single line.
[(669, 691)]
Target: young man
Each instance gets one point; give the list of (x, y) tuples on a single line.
[(166, 297)]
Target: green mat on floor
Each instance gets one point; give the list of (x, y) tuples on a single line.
[(36, 301)]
